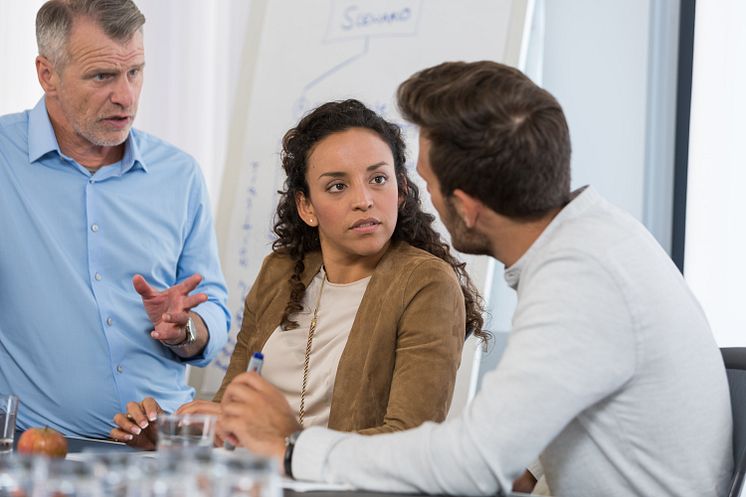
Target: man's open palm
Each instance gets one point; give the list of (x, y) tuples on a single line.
[(168, 310)]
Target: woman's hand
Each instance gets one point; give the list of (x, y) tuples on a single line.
[(203, 407), (200, 407), (137, 426)]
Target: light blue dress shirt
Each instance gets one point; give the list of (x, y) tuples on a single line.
[(74, 336)]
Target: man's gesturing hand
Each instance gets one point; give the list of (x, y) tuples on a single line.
[(168, 310)]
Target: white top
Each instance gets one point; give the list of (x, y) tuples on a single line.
[(284, 350), (610, 375)]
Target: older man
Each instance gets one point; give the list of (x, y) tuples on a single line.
[(109, 273), (611, 375)]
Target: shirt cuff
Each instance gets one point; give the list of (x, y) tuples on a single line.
[(536, 469), (214, 318), (311, 453)]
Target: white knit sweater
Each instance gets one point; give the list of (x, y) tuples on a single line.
[(611, 376)]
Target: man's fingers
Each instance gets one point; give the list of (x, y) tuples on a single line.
[(241, 391), (194, 300), (178, 319), (225, 431), (169, 333), (190, 283), (255, 381), (237, 409), (142, 287), (246, 398)]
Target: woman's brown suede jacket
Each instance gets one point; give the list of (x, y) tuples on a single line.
[(399, 365)]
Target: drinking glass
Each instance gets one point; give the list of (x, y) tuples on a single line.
[(185, 431), (18, 474), (168, 474), (112, 472), (8, 412), (66, 478), (221, 473)]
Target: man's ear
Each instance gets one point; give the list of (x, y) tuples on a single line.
[(468, 207), (48, 77), (305, 210)]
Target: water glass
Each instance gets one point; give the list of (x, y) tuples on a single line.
[(8, 412), (186, 431), (168, 474), (112, 470), (18, 475), (220, 473), (67, 478), (200, 472)]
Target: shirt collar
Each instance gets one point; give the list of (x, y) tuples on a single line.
[(42, 140), (132, 157)]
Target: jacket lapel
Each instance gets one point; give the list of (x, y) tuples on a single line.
[(272, 317)]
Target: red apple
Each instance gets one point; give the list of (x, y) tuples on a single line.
[(45, 441)]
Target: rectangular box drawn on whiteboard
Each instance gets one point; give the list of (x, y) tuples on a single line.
[(360, 19)]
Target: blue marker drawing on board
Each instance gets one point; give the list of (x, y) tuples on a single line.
[(362, 20), (356, 19)]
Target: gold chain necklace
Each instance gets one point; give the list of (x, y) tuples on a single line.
[(307, 355)]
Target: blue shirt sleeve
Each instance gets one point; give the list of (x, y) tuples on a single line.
[(200, 255)]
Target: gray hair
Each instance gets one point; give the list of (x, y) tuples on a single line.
[(119, 19)]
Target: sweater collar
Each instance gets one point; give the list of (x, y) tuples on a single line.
[(582, 199)]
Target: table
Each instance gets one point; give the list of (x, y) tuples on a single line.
[(363, 493), (78, 444)]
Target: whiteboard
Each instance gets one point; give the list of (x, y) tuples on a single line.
[(302, 54)]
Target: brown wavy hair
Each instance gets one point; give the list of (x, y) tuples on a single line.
[(494, 134), (295, 238)]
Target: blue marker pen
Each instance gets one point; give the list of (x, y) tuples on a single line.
[(255, 364)]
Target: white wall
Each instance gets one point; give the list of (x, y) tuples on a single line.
[(714, 261), (192, 54), (19, 88), (597, 61)]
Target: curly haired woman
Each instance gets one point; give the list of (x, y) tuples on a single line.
[(360, 310)]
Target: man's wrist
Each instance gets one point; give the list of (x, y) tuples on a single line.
[(287, 460), (190, 335)]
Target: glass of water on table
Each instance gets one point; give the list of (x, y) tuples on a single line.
[(186, 431), (8, 411)]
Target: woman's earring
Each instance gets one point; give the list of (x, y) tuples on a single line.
[(310, 221)]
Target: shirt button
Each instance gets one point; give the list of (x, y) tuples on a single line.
[(109, 321), (98, 277), (94, 227), (120, 369)]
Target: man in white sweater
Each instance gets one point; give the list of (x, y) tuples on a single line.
[(611, 376)]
